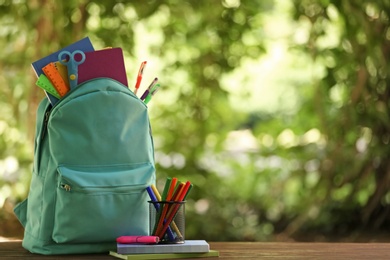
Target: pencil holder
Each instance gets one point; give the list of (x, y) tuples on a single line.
[(167, 221)]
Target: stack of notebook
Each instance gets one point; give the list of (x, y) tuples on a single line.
[(190, 249)]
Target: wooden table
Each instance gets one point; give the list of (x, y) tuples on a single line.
[(244, 250)]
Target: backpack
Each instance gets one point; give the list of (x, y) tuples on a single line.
[(93, 159)]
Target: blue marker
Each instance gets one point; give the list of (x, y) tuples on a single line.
[(157, 207)]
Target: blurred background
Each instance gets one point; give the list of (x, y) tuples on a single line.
[(277, 111)]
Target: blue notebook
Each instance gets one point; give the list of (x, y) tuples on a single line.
[(83, 45)]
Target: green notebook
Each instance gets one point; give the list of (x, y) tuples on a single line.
[(211, 253)]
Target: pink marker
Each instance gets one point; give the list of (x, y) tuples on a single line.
[(138, 239)]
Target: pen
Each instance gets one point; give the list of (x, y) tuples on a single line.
[(166, 189), (139, 77), (164, 207), (167, 206), (178, 191), (158, 196), (154, 91), (172, 212), (145, 94), (153, 198), (171, 189)]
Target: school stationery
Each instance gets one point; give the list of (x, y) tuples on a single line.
[(108, 63), (153, 198), (139, 77), (162, 212), (83, 45), (168, 208), (138, 240), (152, 93), (145, 94), (156, 198), (211, 253), (63, 71), (44, 83), (190, 246), (94, 158), (55, 78), (72, 61), (162, 226)]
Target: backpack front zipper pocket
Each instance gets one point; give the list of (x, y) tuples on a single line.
[(101, 203)]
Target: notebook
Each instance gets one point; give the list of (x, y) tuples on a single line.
[(211, 253), (190, 246), (107, 63)]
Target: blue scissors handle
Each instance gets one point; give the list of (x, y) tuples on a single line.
[(69, 59)]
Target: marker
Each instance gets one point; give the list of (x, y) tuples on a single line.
[(154, 91), (139, 77), (172, 211), (158, 196), (145, 94), (138, 239), (153, 198), (164, 207), (171, 189), (178, 190), (166, 188)]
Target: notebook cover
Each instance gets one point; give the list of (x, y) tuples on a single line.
[(211, 253), (190, 246), (108, 63)]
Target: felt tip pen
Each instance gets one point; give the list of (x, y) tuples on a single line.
[(138, 239), (154, 198), (149, 96), (145, 94), (139, 77)]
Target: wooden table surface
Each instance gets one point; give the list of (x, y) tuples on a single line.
[(243, 250)]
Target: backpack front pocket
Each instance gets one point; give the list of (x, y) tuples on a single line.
[(101, 203)]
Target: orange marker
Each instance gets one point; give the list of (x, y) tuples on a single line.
[(172, 212), (139, 77), (158, 196)]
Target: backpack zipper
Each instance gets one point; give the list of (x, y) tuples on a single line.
[(66, 187), (101, 189), (45, 122)]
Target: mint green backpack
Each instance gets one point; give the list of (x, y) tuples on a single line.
[(94, 157)]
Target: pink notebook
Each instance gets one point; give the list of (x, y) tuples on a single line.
[(106, 63)]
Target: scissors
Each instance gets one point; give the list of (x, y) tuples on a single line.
[(69, 59)]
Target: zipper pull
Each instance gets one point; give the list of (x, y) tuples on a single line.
[(45, 122), (66, 187)]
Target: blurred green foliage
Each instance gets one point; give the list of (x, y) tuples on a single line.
[(277, 111)]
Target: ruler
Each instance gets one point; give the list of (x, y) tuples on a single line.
[(44, 83), (55, 78)]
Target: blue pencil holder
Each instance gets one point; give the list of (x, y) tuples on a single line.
[(167, 220)]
